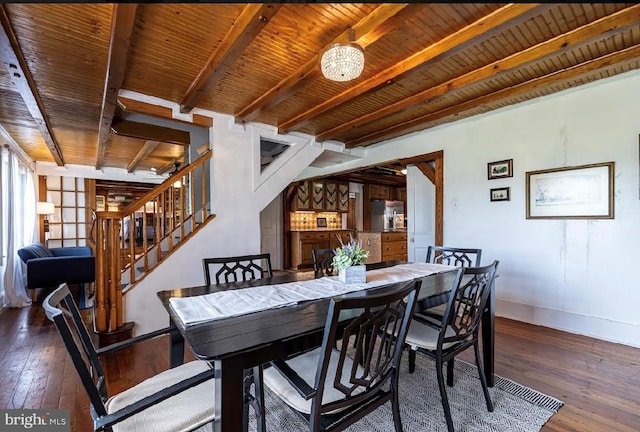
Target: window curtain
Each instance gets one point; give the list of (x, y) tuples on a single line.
[(19, 227)]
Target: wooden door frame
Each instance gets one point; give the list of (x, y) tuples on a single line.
[(436, 175)]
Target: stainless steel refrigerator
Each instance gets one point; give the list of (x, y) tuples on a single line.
[(387, 215)]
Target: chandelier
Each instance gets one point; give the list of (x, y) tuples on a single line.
[(342, 62)]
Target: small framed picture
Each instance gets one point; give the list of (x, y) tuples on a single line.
[(500, 169), (321, 222), (501, 194)]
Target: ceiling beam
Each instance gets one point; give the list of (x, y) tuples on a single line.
[(473, 33), (150, 132), (368, 30), (21, 77), (605, 27), (168, 167), (122, 23), (144, 153), (251, 21), (556, 79)]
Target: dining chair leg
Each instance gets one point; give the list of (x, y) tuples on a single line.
[(412, 360), (261, 415), (443, 395), (483, 379), (450, 373), (256, 400), (395, 404)]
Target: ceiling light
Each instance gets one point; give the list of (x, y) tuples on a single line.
[(403, 171), (342, 62)]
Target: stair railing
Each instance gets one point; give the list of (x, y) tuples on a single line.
[(131, 242)]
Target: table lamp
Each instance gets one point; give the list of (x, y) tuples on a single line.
[(45, 208)]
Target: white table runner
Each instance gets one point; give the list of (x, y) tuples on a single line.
[(225, 304)]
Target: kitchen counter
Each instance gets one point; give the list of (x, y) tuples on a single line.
[(386, 245), (322, 230), (384, 231)]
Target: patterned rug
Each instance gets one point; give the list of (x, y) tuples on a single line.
[(517, 408)]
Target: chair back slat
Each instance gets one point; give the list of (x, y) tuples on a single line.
[(379, 330), (459, 257), (323, 262), (238, 268), (467, 302), (61, 308)]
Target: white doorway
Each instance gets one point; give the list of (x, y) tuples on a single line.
[(421, 198), (271, 231)]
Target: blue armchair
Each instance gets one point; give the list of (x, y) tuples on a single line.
[(51, 267)]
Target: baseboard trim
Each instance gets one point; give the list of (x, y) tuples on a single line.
[(599, 328)]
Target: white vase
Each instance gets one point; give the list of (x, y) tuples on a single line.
[(353, 274)]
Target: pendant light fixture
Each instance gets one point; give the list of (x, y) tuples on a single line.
[(342, 61)]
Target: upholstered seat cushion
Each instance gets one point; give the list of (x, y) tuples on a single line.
[(306, 366), (423, 336), (183, 412)]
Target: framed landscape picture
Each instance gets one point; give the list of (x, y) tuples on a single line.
[(500, 169), (577, 192)]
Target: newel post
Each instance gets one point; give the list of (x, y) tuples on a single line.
[(108, 311)]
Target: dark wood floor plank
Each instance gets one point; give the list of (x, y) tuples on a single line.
[(598, 381)]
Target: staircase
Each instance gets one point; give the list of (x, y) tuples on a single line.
[(132, 242)]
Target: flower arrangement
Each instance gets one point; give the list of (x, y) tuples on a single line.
[(349, 254)]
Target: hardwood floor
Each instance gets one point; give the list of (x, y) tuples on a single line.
[(598, 381)]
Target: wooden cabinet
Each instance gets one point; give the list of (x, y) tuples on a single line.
[(302, 197), (330, 196), (334, 243), (401, 195), (320, 195), (303, 242), (317, 195), (343, 197), (394, 246), (384, 246), (380, 192)]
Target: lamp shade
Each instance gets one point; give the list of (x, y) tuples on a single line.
[(342, 62), (45, 208)]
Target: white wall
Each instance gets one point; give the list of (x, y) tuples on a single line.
[(575, 275), (240, 192)]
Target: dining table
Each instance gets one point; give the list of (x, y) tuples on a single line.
[(237, 343)]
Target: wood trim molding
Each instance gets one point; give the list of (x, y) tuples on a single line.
[(133, 105), (151, 132)]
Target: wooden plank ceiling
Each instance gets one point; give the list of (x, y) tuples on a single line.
[(426, 64)]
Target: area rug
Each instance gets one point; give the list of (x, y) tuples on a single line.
[(517, 408)]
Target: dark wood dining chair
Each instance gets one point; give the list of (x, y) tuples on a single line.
[(238, 268), (334, 386), (323, 262), (457, 331), (181, 398), (459, 257), (244, 268)]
